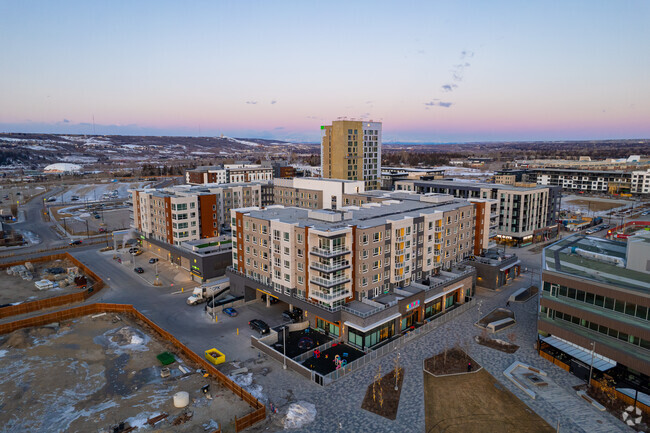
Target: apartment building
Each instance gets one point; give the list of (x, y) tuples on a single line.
[(374, 270), (526, 214), (183, 213), (595, 306), (351, 150), (229, 173), (640, 183), (314, 193), (281, 169)]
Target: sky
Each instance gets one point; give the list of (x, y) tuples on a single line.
[(431, 71)]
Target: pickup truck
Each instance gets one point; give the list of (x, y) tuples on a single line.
[(208, 291)]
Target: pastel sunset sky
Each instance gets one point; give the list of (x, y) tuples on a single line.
[(431, 71)]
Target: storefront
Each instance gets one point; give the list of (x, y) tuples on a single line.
[(328, 328), (364, 338), (433, 308), (509, 272)]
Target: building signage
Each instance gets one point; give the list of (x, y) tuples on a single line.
[(413, 305)]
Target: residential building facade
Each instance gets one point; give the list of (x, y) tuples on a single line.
[(526, 214), (374, 270), (351, 150), (184, 213), (314, 192), (229, 173)]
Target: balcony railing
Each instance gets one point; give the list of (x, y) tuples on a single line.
[(439, 229), (328, 297), (331, 252), (326, 282), (437, 252), (400, 252), (336, 266), (399, 265), (437, 241), (401, 238)]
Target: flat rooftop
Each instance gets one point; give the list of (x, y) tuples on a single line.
[(361, 217), (565, 257), (465, 184)]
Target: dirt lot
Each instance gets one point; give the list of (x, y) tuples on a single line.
[(10, 194), (586, 205), (476, 403), (14, 289), (87, 375)]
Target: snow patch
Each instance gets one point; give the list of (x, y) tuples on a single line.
[(299, 415), (3, 353), (140, 420)]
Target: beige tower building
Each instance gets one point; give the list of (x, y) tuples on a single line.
[(351, 150)]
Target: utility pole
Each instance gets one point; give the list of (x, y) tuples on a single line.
[(87, 231)]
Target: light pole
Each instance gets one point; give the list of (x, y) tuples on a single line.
[(591, 367), (284, 347)]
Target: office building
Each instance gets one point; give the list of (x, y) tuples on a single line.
[(351, 150), (366, 273), (229, 173), (526, 214), (596, 300)]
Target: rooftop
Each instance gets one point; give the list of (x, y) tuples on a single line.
[(463, 184), (366, 216), (595, 259)]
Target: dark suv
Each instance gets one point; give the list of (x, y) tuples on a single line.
[(259, 326), (292, 316), (273, 300)]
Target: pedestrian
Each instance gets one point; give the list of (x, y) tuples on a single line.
[(469, 366), (508, 303)]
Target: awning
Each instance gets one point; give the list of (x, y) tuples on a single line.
[(441, 294), (600, 362), (372, 325), (505, 268)]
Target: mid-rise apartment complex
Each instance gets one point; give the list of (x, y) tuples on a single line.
[(367, 272), (351, 150), (313, 192), (526, 214), (595, 308), (640, 183), (183, 213), (229, 173)]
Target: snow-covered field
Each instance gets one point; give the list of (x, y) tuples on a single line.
[(87, 193)]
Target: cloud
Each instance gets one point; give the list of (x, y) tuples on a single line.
[(251, 102), (449, 87), (273, 102), (438, 103)]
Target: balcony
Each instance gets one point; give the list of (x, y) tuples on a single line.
[(332, 252), (437, 252), (332, 267), (329, 298), (327, 282), (400, 277), (401, 238), (439, 229), (400, 252), (399, 265), (437, 241)]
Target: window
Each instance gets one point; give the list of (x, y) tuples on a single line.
[(286, 264), (286, 236), (299, 238), (376, 251), (376, 237)]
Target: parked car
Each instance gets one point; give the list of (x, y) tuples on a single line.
[(274, 300), (230, 312), (259, 326), (153, 260), (139, 270), (77, 242), (137, 253), (97, 216), (51, 199), (102, 230), (133, 250), (291, 316)]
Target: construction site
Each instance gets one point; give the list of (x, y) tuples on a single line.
[(108, 372)]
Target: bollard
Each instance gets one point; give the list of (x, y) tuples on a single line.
[(237, 331)]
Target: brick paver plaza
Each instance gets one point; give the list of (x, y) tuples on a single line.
[(340, 402)]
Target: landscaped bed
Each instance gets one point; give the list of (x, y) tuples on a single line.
[(382, 398), (326, 364), (493, 316), (501, 345), (92, 373)]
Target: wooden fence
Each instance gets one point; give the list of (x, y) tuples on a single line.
[(555, 361), (72, 298), (624, 398), (259, 410)]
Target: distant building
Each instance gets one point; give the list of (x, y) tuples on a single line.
[(185, 213), (526, 214), (229, 173), (281, 169), (351, 150), (595, 308), (314, 192), (62, 168), (640, 183)]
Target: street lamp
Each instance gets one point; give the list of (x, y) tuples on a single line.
[(284, 347), (591, 367)]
